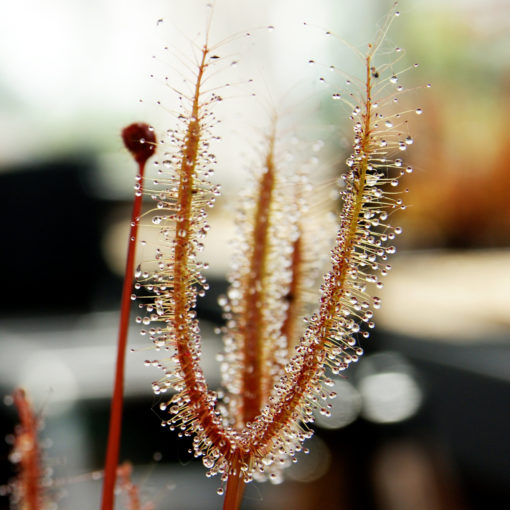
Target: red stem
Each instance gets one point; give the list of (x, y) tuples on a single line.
[(235, 488), (254, 378), (27, 445), (114, 433)]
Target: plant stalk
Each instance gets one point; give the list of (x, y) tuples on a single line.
[(140, 141)]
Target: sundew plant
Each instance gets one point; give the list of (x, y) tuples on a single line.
[(279, 359)]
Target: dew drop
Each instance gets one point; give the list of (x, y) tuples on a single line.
[(419, 111), (208, 462), (372, 180)]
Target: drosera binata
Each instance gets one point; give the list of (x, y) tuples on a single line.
[(273, 380)]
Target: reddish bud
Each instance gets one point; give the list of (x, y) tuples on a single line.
[(140, 140)]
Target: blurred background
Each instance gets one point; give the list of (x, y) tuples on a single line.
[(422, 421)]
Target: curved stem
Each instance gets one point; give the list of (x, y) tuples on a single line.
[(182, 278), (333, 293)]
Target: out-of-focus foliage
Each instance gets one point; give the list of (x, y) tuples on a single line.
[(459, 194)]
